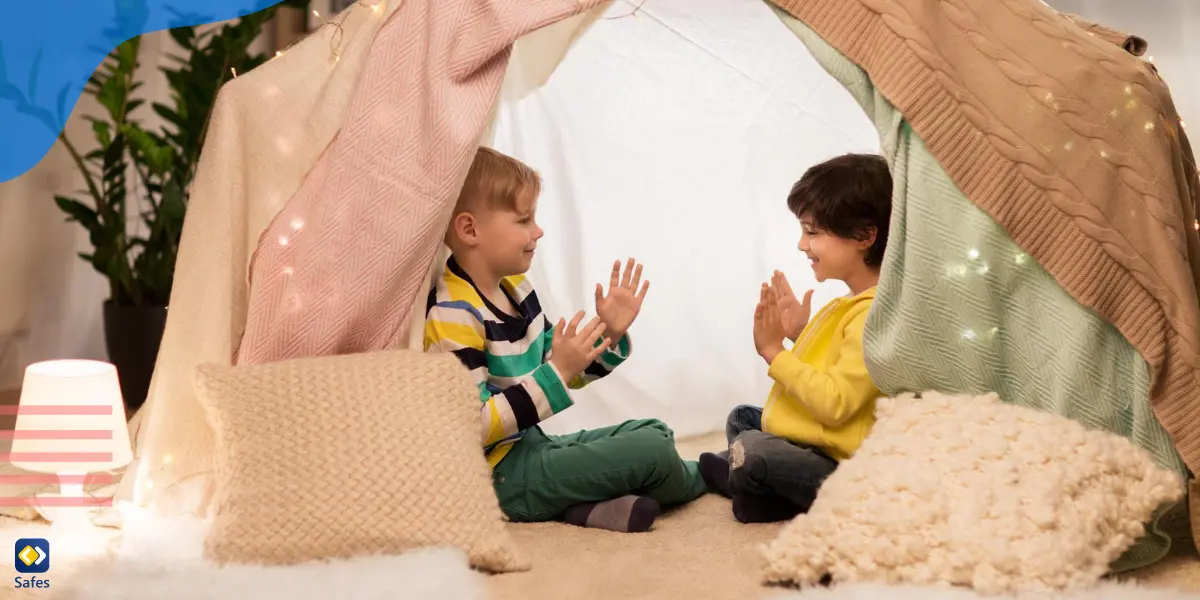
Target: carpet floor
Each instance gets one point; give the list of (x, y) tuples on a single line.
[(698, 551), (701, 551)]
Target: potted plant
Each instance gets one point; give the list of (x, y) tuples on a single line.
[(138, 180)]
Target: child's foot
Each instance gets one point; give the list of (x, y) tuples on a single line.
[(763, 508), (714, 468), (627, 514)]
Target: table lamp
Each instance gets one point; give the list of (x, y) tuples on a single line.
[(70, 422)]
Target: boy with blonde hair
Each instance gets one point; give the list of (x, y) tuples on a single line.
[(486, 312), (822, 403)]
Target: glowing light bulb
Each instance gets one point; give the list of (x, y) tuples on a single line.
[(973, 253)]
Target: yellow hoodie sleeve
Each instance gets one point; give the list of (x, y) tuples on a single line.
[(836, 395)]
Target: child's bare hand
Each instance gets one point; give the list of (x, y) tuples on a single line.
[(768, 328), (793, 313), (621, 305), (572, 351)]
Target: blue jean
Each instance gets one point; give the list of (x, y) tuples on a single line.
[(773, 468)]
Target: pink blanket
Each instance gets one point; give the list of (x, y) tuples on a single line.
[(339, 268)]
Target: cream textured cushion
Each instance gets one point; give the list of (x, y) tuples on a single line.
[(968, 490), (347, 455)]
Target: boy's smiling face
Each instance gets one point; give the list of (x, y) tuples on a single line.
[(831, 256), (508, 237)]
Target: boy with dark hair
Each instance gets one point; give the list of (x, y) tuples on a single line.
[(822, 404), (486, 312)]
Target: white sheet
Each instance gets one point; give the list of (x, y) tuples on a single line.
[(674, 137)]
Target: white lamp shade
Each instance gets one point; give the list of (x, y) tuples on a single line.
[(71, 419)]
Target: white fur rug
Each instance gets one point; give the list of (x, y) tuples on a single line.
[(159, 558), (162, 559)]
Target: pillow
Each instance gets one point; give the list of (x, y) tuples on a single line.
[(972, 491), (338, 456)]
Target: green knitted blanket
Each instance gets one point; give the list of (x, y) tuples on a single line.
[(961, 309)]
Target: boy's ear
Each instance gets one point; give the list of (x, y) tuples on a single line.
[(464, 227), (869, 239)]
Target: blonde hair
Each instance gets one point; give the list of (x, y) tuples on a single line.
[(497, 181)]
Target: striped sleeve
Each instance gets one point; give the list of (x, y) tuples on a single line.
[(602, 366), (457, 327)]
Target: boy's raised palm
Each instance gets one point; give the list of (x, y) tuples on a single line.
[(621, 305), (793, 313), (572, 351)]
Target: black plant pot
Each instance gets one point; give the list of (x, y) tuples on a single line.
[(132, 335)]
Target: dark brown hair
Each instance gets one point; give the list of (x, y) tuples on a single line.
[(497, 181), (848, 196)]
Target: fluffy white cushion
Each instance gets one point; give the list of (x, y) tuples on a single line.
[(970, 491)]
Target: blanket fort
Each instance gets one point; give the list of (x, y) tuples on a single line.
[(327, 178)]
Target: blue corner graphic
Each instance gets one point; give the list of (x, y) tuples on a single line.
[(49, 49), (31, 555)]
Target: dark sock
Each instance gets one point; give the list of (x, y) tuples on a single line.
[(714, 468), (627, 514), (763, 508)]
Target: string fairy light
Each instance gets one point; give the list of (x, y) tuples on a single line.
[(335, 40), (633, 13)]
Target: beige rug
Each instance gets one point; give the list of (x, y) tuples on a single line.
[(698, 551)]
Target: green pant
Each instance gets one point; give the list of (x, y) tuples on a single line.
[(543, 475)]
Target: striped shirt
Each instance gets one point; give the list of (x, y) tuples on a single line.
[(507, 355)]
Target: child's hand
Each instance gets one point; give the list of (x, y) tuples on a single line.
[(624, 300), (768, 328), (793, 313), (572, 351)]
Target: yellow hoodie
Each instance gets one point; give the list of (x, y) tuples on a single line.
[(823, 395)]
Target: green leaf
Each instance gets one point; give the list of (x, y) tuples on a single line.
[(127, 53), (167, 113), (183, 36), (103, 132), (78, 211)]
